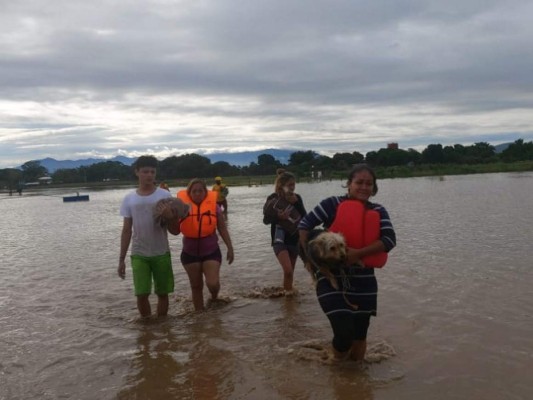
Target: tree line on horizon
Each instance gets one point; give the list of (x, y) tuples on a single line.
[(302, 163)]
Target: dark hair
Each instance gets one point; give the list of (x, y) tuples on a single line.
[(360, 168), (145, 161), (282, 179)]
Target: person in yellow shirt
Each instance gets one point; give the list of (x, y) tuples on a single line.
[(222, 193)]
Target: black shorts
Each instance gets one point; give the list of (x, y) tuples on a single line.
[(347, 328), (187, 258), (279, 247)]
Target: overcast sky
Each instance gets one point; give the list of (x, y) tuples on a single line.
[(102, 78)]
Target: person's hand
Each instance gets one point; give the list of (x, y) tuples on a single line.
[(174, 227), (283, 214), (352, 256), (121, 270), (229, 256), (165, 210), (291, 197)]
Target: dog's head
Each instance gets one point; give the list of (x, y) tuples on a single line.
[(179, 209), (328, 247)]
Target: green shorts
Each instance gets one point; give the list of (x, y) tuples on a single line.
[(159, 268)]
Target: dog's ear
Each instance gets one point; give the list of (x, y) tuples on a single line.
[(302, 251), (315, 249)]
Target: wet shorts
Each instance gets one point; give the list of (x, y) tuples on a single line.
[(347, 328), (279, 247), (158, 269), (187, 258)]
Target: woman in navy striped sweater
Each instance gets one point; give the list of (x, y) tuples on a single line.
[(349, 308)]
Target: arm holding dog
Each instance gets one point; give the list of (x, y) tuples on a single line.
[(353, 256), (166, 215)]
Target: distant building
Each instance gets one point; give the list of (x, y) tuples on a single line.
[(45, 180), (393, 146)]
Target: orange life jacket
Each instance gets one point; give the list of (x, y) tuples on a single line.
[(202, 219), (360, 227)]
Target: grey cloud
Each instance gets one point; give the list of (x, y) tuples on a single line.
[(281, 62)]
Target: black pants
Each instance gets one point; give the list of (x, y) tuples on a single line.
[(347, 328)]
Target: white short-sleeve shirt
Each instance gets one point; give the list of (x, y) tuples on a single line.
[(149, 238)]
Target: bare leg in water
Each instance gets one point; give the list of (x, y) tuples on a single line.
[(143, 305), (287, 264), (358, 350), (162, 305)]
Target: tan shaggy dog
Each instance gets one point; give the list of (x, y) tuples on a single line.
[(325, 251), (179, 209)]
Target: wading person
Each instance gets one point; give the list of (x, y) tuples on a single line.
[(201, 256), (369, 236), (283, 210), (222, 192), (150, 254)]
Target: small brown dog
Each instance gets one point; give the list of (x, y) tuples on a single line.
[(178, 208), (325, 251)]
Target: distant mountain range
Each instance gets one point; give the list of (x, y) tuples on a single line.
[(501, 147), (238, 159)]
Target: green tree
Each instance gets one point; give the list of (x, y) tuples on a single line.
[(33, 170), (223, 168), (392, 157), (302, 162), (186, 166), (10, 178), (107, 170), (454, 154), (299, 158), (414, 156), (267, 164), (168, 168), (323, 163), (518, 151), (433, 154), (344, 161), (372, 158), (480, 153), (67, 175)]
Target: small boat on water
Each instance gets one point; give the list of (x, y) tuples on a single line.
[(78, 197)]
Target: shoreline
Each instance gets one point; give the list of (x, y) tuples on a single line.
[(260, 180)]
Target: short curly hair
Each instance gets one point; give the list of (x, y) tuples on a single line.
[(145, 161)]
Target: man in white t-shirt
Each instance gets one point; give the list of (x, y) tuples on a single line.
[(150, 253)]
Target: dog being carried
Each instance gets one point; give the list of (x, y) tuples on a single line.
[(178, 208), (325, 254)]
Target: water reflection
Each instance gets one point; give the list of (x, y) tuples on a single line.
[(181, 362), (153, 364), (455, 288), (211, 367)]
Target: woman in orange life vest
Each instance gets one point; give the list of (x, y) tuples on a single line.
[(201, 256), (369, 236)]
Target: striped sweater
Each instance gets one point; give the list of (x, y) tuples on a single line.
[(324, 214), (358, 286)]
